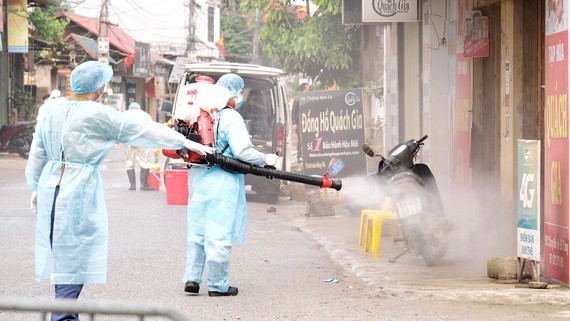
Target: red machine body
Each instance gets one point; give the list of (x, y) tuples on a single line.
[(204, 129), (171, 153), (201, 132)]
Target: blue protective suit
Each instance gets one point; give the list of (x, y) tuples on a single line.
[(217, 209), (85, 131)]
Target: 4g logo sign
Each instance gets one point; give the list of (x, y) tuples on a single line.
[(527, 191), (529, 223)]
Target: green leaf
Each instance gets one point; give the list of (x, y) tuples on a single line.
[(319, 46)]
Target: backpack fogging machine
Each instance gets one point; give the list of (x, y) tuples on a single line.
[(194, 117)]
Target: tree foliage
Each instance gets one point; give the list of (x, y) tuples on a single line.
[(46, 27), (238, 26), (23, 100), (236, 34), (319, 45), (48, 32)]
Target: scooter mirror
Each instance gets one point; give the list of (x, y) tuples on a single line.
[(167, 107), (368, 150)]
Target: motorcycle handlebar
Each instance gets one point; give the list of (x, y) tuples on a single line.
[(422, 139)]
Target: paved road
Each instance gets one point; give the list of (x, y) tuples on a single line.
[(279, 269)]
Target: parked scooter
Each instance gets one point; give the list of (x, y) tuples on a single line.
[(17, 138), (422, 224)]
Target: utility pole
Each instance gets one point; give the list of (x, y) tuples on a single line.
[(190, 52), (103, 39)]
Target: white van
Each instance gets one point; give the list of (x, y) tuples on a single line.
[(265, 112)]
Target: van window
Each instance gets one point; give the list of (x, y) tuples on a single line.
[(257, 112), (258, 109)]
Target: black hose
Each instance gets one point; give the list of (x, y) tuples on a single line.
[(237, 166)]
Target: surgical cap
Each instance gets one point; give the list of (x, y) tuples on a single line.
[(134, 105), (232, 82), (90, 76)]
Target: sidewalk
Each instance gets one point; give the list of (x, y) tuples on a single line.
[(461, 277)]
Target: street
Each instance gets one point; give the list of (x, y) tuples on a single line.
[(280, 270)]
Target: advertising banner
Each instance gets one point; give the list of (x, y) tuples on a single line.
[(142, 59), (332, 132), (528, 227), (390, 11), (17, 21), (178, 69), (116, 100), (131, 91), (379, 11), (556, 191), (476, 43)]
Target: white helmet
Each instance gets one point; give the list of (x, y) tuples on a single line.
[(54, 94)]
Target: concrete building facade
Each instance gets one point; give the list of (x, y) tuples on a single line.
[(477, 76)]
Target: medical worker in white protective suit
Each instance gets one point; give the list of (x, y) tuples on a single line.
[(75, 134), (136, 154), (217, 211)]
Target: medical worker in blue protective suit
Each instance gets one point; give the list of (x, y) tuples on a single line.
[(75, 134), (217, 211)]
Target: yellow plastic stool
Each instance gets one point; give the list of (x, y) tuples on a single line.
[(374, 229), (371, 222), (387, 206)]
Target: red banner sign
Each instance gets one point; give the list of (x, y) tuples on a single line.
[(479, 48), (556, 191)]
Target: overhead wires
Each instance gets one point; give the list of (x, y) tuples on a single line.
[(146, 20)]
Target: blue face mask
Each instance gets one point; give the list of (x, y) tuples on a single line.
[(239, 101)]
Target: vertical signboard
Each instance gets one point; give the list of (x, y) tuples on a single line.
[(17, 21), (142, 60), (476, 43), (461, 71), (131, 91), (332, 132), (1, 21), (103, 50), (178, 69), (528, 227), (556, 143)]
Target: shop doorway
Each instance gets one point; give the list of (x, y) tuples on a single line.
[(486, 126)]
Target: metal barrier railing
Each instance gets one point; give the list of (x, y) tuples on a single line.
[(91, 308)]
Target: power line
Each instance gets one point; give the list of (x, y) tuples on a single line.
[(131, 31), (77, 2), (153, 22), (139, 21), (138, 8)]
